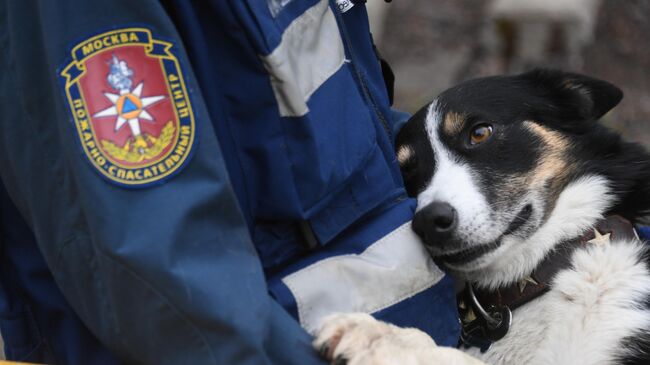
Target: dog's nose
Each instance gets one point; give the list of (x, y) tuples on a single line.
[(435, 222)]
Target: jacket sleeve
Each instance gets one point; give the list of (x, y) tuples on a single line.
[(162, 275)]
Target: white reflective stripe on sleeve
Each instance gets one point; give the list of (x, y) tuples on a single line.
[(392, 269), (310, 52)]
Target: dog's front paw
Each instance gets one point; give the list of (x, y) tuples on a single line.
[(345, 338), (359, 339)]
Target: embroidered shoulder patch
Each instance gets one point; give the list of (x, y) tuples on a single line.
[(130, 106)]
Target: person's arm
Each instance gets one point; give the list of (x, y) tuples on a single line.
[(164, 274)]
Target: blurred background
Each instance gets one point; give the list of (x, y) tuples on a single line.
[(434, 44)]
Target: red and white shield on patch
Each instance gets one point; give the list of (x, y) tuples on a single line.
[(129, 115), (131, 108)]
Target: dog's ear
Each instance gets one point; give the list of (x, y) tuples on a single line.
[(573, 95)]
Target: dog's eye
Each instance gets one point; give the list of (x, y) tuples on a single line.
[(480, 133)]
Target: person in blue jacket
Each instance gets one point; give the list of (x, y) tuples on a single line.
[(200, 183)]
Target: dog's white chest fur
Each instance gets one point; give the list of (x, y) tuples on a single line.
[(590, 309), (583, 318)]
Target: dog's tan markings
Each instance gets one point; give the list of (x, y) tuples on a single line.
[(404, 154), (553, 167), (550, 171), (453, 123), (552, 164), (553, 139)]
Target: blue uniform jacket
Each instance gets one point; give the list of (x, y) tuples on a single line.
[(284, 161)]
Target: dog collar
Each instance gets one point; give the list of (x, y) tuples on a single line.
[(486, 315)]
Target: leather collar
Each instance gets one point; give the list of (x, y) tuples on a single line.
[(498, 304)]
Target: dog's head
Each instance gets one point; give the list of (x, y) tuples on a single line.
[(489, 159)]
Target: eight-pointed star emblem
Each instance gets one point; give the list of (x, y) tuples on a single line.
[(129, 107)]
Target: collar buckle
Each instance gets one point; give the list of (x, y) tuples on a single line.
[(483, 326)]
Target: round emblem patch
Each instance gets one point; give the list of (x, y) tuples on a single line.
[(130, 106)]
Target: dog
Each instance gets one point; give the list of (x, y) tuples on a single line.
[(524, 196)]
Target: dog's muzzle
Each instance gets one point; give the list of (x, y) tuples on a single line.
[(435, 223)]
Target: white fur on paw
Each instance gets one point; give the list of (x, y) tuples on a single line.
[(362, 340)]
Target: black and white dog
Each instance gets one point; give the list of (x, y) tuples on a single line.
[(514, 178)]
